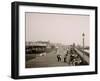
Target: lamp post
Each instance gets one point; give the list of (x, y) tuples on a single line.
[(83, 35)]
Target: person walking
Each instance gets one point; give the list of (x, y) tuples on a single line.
[(65, 57), (59, 58)]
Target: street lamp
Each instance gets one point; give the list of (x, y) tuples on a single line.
[(83, 35)]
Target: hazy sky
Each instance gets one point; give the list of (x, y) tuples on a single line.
[(57, 28)]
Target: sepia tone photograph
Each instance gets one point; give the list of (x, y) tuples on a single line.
[(56, 40), (52, 40)]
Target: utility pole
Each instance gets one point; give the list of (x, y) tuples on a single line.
[(83, 35)]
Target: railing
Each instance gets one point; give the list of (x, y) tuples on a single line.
[(85, 52), (83, 55)]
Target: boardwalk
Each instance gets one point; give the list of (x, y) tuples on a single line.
[(50, 59), (47, 61)]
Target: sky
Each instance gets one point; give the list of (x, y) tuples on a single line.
[(57, 28)]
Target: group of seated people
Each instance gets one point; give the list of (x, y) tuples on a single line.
[(74, 58)]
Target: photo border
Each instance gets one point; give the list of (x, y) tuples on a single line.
[(15, 39)]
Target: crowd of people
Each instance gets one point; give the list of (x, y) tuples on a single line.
[(71, 58)]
